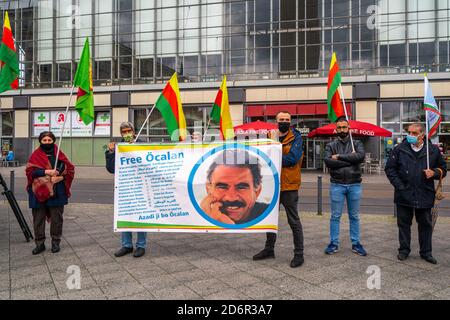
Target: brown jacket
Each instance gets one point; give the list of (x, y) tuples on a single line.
[(291, 173)]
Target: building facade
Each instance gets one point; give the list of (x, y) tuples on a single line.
[(275, 53)]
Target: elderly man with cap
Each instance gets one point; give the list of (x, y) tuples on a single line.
[(128, 135)]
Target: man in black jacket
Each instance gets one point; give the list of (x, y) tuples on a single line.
[(407, 171), (128, 135), (345, 172)]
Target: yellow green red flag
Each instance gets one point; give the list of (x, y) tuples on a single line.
[(169, 104), (9, 63), (221, 112)]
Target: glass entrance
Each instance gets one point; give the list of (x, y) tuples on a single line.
[(314, 150)]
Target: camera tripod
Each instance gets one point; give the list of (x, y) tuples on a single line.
[(16, 209)]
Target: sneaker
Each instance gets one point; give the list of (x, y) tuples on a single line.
[(359, 249), (264, 254), (123, 251), (139, 252), (332, 248)]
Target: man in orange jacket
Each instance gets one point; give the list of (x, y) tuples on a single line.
[(292, 158)]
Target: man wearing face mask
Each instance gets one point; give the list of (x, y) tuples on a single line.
[(292, 158), (128, 135), (345, 178), (414, 194)]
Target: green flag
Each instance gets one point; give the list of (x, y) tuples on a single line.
[(83, 80)]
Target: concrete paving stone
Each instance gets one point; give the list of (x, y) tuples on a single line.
[(191, 275), (137, 296), (419, 284), (28, 271), (166, 258), (266, 273), (111, 277), (239, 279), (161, 282), (207, 287), (83, 294), (179, 292), (374, 294), (261, 291), (122, 288), (443, 294), (32, 280), (177, 266), (102, 268), (34, 292), (228, 294), (5, 295), (60, 282), (96, 260)]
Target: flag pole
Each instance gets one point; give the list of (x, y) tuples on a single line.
[(64, 125), (206, 129), (346, 116), (427, 139), (145, 122)]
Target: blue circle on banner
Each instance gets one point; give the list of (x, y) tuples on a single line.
[(215, 151)]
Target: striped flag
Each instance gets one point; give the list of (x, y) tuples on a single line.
[(220, 112), (432, 113), (335, 107), (9, 63), (169, 104)]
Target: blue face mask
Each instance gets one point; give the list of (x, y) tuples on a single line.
[(411, 139)]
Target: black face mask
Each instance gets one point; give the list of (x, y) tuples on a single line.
[(284, 126), (47, 147), (342, 135)]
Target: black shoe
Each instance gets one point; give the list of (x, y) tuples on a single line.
[(139, 252), (55, 247), (297, 261), (39, 248), (123, 251), (429, 259), (264, 254), (402, 256)]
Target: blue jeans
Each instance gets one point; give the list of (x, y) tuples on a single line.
[(338, 193), (127, 239)]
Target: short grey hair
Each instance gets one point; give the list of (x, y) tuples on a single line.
[(418, 125), (126, 124)]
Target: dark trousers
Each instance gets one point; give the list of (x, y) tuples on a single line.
[(404, 221), (56, 223), (289, 200)]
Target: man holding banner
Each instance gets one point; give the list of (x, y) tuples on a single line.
[(128, 135), (291, 141)]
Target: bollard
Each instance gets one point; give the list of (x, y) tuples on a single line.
[(319, 195), (11, 181)]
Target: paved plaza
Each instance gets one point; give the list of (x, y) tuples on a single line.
[(217, 266)]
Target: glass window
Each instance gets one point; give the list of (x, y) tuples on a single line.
[(413, 111), (6, 124), (390, 112), (64, 72), (445, 111)]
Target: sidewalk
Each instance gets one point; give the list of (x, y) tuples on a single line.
[(217, 266)]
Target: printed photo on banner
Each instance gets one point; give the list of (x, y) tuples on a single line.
[(234, 186)]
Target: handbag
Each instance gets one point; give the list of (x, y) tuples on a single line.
[(439, 196)]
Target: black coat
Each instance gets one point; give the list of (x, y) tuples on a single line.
[(405, 170), (347, 169)]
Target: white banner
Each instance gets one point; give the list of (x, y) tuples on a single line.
[(218, 187)]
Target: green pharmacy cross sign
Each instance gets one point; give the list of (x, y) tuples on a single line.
[(41, 117), (104, 117)]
